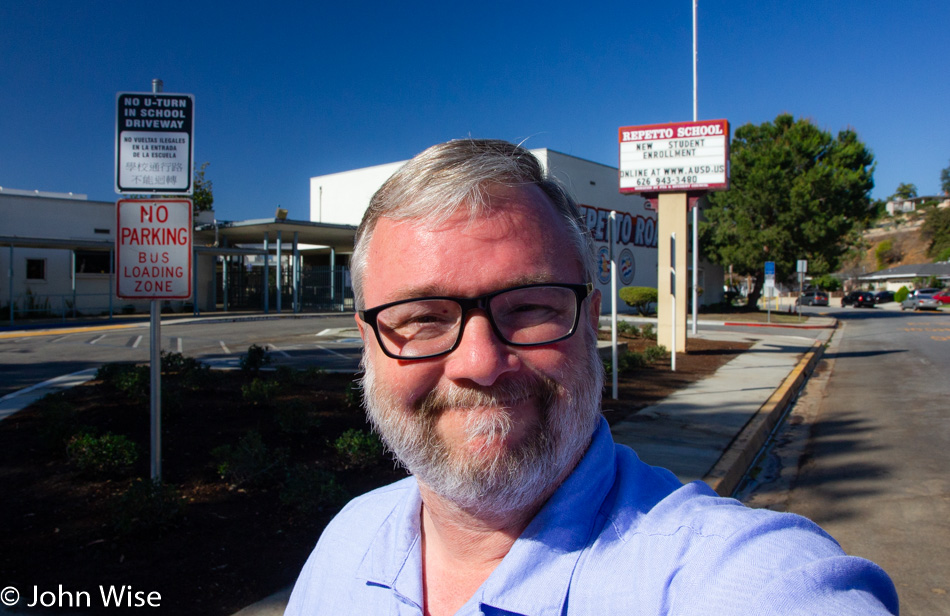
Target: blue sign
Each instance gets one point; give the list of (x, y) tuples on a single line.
[(770, 268)]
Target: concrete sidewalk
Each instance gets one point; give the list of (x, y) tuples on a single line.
[(712, 429)]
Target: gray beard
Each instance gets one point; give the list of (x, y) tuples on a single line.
[(510, 479)]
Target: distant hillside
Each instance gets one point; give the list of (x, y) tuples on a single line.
[(906, 247)]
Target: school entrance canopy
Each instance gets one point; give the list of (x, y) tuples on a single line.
[(286, 240)]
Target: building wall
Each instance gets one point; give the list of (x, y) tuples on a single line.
[(63, 217), (345, 197), (341, 198)]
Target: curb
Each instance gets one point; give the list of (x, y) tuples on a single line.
[(786, 325), (724, 477)]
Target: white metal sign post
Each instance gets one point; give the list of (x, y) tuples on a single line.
[(769, 288), (153, 261), (802, 267), (154, 151)]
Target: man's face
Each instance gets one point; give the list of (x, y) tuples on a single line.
[(488, 425)]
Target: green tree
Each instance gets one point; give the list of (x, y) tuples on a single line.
[(795, 192), (202, 198), (639, 297), (945, 180), (905, 192)]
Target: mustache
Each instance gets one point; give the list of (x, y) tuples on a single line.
[(502, 395)]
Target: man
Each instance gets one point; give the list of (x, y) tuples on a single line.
[(472, 276)]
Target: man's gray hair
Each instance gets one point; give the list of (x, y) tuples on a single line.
[(458, 176)]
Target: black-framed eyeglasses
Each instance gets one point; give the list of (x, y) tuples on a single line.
[(522, 316)]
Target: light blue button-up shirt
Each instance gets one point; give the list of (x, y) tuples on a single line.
[(618, 537)]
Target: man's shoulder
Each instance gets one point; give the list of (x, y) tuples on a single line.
[(651, 501), (372, 508)]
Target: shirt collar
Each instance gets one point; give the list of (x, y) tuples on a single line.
[(535, 575), (543, 557)]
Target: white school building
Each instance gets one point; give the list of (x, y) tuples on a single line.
[(343, 197)]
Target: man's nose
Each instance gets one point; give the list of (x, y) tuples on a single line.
[(481, 357)]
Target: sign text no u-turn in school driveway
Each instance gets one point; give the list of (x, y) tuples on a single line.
[(154, 145), (153, 249)]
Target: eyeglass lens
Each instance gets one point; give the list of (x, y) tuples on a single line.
[(528, 316)]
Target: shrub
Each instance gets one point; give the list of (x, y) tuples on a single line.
[(57, 421), (886, 253), (358, 448), (260, 391), (176, 363), (147, 506), (255, 359), (249, 462), (309, 490), (354, 394), (296, 417), (107, 454), (901, 294), (655, 353), (129, 379), (647, 331), (639, 298), (827, 282), (626, 327), (287, 375), (626, 362)]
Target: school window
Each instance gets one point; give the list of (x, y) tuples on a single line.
[(92, 262), (36, 269)]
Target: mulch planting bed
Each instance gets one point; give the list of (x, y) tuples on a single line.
[(255, 470)]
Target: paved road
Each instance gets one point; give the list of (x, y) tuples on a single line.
[(31, 357), (876, 469)]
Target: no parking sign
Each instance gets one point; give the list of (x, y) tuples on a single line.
[(153, 249)]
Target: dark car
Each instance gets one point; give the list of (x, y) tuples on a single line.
[(858, 299), (883, 297), (813, 298)]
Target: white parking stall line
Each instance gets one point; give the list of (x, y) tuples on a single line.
[(137, 342), (97, 339), (331, 351), (179, 345), (274, 349), (224, 347)]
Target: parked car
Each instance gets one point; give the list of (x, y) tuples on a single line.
[(943, 296), (858, 299), (882, 297), (813, 298), (921, 299)]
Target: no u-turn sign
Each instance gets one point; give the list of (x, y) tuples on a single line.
[(153, 249)]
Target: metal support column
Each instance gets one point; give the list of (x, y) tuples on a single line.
[(295, 273), (194, 280), (111, 276), (72, 278), (333, 276), (224, 276), (266, 276), (11, 284), (280, 271)]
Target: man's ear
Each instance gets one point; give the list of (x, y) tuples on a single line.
[(594, 315), (360, 326)]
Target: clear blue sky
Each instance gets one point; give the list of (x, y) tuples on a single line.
[(285, 91)]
